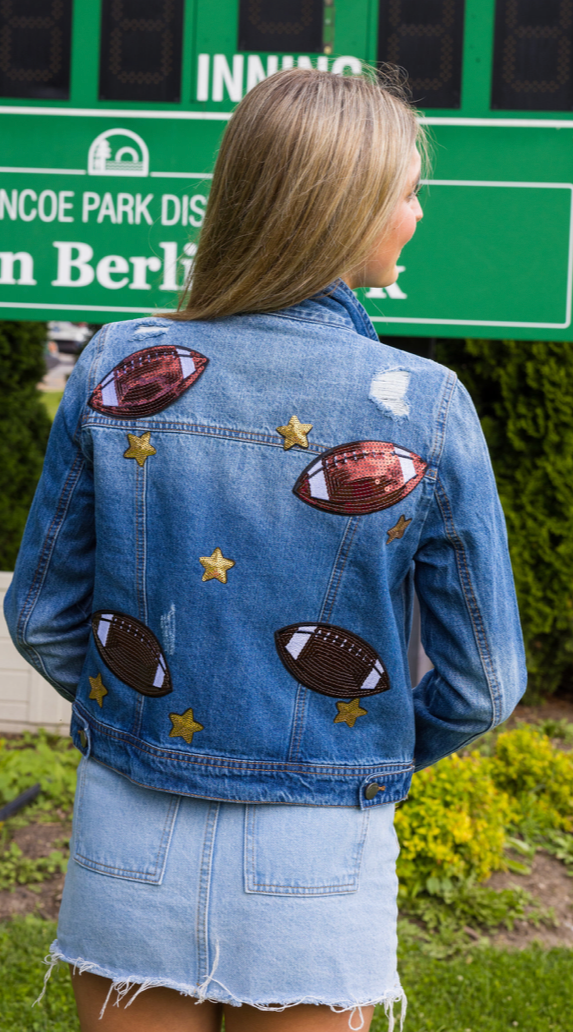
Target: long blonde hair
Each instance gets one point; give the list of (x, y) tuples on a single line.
[(310, 170)]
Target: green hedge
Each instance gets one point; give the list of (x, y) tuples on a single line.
[(24, 429), (523, 391)]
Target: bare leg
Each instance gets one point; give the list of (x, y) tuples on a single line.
[(304, 1018), (155, 1010)]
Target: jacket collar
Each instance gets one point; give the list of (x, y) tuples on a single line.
[(337, 305)]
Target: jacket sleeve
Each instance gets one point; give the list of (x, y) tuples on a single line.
[(48, 604), (469, 617)]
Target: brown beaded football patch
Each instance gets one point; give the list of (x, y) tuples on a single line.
[(132, 653), (331, 660), (359, 478), (147, 381)]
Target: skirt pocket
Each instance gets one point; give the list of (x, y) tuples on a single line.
[(303, 850), (121, 829)]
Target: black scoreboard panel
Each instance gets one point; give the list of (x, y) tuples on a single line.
[(425, 37), (35, 48), (281, 26), (141, 46), (533, 55), (140, 56)]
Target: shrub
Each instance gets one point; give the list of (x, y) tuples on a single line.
[(454, 833), (538, 776), (453, 828), (24, 429), (523, 392), (453, 825)]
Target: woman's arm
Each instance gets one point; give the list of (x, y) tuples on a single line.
[(48, 604), (469, 617)]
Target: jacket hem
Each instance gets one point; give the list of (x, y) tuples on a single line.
[(238, 780)]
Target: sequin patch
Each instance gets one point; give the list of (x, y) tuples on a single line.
[(132, 653), (331, 660), (139, 448), (348, 712), (148, 381), (98, 689), (397, 531), (360, 478), (216, 566), (184, 725), (294, 432)]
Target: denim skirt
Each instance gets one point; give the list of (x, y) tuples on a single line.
[(262, 904)]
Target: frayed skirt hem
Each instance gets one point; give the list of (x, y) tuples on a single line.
[(213, 991)]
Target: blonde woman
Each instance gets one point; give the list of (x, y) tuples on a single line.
[(218, 570)]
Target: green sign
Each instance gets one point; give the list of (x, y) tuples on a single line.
[(107, 233), (492, 256), (107, 153)]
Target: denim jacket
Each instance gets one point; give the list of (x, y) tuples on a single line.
[(219, 565)]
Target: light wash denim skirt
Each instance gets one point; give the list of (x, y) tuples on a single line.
[(268, 905)]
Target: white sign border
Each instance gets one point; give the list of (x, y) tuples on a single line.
[(224, 116)]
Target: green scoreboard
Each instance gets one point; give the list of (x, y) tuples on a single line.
[(111, 113)]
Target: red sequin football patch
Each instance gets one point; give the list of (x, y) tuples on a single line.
[(359, 478), (148, 381)]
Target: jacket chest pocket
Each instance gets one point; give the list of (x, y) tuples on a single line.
[(121, 829), (303, 850)]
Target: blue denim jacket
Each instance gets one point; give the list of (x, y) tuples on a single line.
[(246, 506)]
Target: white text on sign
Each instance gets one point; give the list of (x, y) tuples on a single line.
[(108, 208), (76, 268)]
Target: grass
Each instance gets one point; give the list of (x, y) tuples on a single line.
[(492, 991), (24, 942), (50, 401)]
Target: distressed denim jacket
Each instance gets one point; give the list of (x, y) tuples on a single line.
[(220, 561)]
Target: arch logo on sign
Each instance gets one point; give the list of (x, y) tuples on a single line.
[(118, 152)]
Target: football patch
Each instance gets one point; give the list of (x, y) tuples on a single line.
[(359, 478), (132, 653), (147, 381), (331, 660)]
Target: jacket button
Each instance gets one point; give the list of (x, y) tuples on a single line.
[(372, 789), (84, 739)]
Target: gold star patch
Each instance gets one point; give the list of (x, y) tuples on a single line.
[(139, 448), (98, 689), (348, 712), (396, 532), (216, 566), (184, 725), (294, 433)]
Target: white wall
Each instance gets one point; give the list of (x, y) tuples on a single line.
[(417, 659), (27, 701)]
